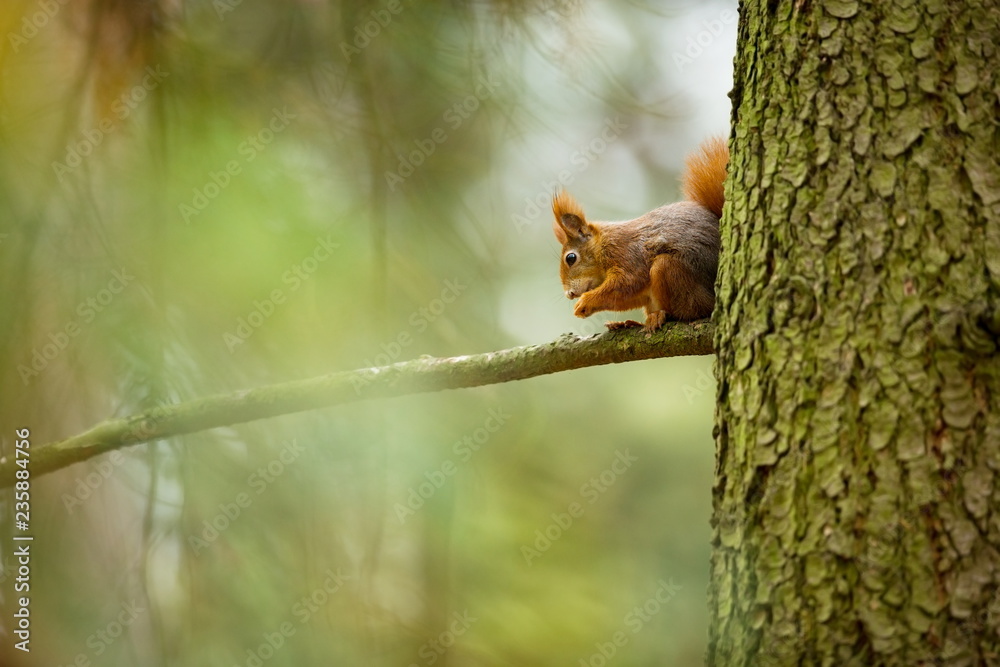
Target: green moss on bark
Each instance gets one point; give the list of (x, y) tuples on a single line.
[(857, 505)]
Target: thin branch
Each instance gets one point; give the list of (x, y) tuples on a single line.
[(409, 377)]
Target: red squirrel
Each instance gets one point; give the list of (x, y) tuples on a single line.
[(664, 261)]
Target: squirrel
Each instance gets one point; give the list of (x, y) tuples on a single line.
[(664, 261)]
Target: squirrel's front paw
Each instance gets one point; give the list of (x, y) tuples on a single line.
[(583, 308)]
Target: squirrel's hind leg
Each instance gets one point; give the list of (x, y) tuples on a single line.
[(677, 292), (654, 320)]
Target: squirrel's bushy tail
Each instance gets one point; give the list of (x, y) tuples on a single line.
[(705, 173)]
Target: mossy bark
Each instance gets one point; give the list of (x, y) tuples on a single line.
[(857, 495)]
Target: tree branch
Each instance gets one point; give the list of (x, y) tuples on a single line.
[(409, 377)]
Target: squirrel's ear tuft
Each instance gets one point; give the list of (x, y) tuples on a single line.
[(570, 220)]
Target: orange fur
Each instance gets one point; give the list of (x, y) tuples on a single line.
[(664, 261), (704, 174), (563, 203)]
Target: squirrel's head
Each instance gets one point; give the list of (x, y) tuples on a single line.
[(581, 267)]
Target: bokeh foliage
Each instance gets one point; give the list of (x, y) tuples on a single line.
[(198, 197)]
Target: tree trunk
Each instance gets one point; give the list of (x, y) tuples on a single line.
[(857, 502)]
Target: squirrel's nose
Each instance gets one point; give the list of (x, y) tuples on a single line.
[(570, 294)]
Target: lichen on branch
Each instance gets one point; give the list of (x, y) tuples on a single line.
[(568, 352)]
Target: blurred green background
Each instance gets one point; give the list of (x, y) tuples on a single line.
[(200, 197)]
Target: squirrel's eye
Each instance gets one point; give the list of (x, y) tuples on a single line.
[(570, 258)]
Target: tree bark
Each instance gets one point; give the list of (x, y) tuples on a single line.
[(857, 501), (409, 377)]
